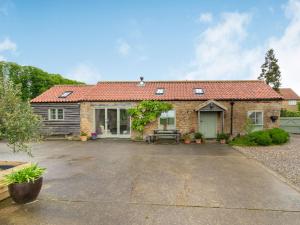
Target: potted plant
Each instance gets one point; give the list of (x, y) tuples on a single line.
[(24, 185), (198, 137), (222, 138), (187, 138), (94, 136), (83, 136)]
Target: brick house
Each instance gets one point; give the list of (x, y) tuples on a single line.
[(210, 107), (290, 99)]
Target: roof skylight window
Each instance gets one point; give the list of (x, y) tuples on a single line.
[(198, 91), (65, 94), (160, 91)]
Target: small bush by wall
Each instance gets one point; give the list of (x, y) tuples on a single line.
[(261, 138), (279, 136), (274, 136)]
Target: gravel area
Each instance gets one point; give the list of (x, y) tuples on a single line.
[(283, 159)]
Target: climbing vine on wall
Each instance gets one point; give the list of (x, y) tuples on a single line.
[(146, 112)]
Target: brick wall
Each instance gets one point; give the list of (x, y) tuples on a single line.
[(187, 119), (285, 105)]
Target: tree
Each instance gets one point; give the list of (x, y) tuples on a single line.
[(270, 71), (33, 81), (18, 124)]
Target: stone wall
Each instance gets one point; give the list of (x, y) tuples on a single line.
[(86, 118), (187, 119)]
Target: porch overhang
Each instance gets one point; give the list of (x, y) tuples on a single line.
[(211, 105)]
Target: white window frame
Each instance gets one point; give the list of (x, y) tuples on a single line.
[(160, 126), (199, 91), (262, 114), (292, 102), (160, 91), (66, 94), (56, 114)]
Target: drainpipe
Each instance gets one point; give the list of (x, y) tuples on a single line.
[(231, 118)]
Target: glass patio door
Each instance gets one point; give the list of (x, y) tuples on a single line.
[(112, 122)]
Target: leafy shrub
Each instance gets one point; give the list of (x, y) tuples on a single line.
[(287, 113), (261, 138), (28, 174), (278, 136), (243, 141), (198, 135)]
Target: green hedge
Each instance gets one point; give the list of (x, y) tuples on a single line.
[(286, 113), (275, 136)]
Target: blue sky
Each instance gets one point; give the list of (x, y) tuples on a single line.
[(121, 40)]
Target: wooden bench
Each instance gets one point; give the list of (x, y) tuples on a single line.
[(163, 134)]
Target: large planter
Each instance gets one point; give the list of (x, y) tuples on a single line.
[(11, 166), (25, 192)]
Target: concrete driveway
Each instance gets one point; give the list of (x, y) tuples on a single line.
[(120, 182)]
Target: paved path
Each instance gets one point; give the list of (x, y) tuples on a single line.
[(119, 182)]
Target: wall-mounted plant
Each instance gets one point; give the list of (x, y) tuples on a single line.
[(146, 112)]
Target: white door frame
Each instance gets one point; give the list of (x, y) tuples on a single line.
[(105, 135)]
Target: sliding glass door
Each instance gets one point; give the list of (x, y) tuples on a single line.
[(112, 122)]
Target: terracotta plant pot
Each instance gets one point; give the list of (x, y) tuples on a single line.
[(223, 141), (83, 138), (187, 141), (199, 141), (25, 192)]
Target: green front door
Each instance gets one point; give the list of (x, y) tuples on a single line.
[(208, 124)]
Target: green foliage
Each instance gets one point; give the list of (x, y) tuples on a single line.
[(274, 136), (242, 141), (33, 81), (187, 136), (18, 124), (82, 133), (146, 112), (223, 136), (261, 138), (270, 71), (287, 113), (279, 136), (198, 135), (298, 104), (28, 174)]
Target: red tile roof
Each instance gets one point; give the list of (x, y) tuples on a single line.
[(52, 95), (174, 90), (288, 94)]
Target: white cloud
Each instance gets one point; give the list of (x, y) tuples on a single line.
[(219, 53), (123, 47), (7, 45), (85, 72), (205, 18), (287, 47)]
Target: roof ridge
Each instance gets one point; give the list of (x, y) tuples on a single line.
[(181, 81), (73, 85)]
